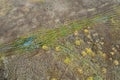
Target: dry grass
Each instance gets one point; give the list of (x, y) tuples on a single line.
[(72, 52)]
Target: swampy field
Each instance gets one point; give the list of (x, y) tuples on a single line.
[(59, 40)]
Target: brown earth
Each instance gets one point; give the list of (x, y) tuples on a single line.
[(19, 17)]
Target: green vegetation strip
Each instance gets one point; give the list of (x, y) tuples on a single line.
[(50, 36)]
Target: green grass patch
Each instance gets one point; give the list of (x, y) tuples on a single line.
[(51, 36)]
